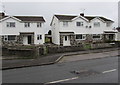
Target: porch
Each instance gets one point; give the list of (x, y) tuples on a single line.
[(67, 38), (27, 38), (109, 36)]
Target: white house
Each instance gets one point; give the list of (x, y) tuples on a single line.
[(22, 29), (118, 34), (70, 30)]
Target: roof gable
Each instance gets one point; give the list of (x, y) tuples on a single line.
[(93, 17), (97, 18), (81, 18), (7, 17)]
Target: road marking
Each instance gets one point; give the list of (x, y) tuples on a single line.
[(62, 80), (109, 71)]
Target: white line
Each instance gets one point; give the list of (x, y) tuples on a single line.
[(62, 80), (109, 71)]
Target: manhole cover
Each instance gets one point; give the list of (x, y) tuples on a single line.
[(84, 72)]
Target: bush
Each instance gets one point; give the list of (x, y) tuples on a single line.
[(87, 46)]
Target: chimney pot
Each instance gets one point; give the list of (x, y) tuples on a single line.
[(82, 14)]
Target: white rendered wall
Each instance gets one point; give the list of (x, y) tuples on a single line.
[(83, 30), (20, 28), (55, 31)]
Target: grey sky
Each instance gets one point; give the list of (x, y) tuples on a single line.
[(48, 9), (119, 14)]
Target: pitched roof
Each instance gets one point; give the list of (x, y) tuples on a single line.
[(1, 17), (92, 17), (70, 17), (65, 17), (30, 18), (24, 18)]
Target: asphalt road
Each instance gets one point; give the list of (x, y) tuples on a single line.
[(104, 70)]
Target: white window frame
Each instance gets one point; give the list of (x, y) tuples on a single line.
[(81, 24), (83, 37), (108, 24), (39, 37), (65, 23), (6, 37), (96, 35), (11, 24), (39, 24), (96, 24), (27, 24)]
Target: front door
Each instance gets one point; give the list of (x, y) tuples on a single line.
[(66, 41), (111, 37), (29, 39)]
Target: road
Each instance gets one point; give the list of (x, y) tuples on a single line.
[(104, 70)]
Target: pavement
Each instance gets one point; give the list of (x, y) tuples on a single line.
[(51, 59)]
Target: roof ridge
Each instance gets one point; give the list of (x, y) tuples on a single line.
[(27, 16)]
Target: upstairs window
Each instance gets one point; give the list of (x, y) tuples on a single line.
[(39, 37), (10, 24), (27, 24), (39, 24), (65, 23), (79, 24), (96, 24), (81, 36), (108, 24)]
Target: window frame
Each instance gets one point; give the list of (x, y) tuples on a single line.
[(7, 38), (65, 23), (83, 37), (11, 24), (79, 24), (39, 37), (27, 24), (108, 24), (96, 35), (39, 24), (96, 24)]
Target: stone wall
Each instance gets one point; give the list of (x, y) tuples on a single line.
[(88, 39), (37, 51), (20, 52), (12, 42), (100, 45), (62, 49)]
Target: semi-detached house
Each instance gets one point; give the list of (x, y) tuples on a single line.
[(70, 30), (22, 29)]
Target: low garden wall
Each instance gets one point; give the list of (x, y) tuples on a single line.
[(23, 51), (62, 49), (33, 51)]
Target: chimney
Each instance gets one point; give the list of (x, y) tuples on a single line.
[(82, 14), (2, 14)]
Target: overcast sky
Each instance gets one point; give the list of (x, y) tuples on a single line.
[(48, 9)]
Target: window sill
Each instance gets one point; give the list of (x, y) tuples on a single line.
[(80, 39)]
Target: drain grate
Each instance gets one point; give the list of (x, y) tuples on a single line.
[(84, 72)]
